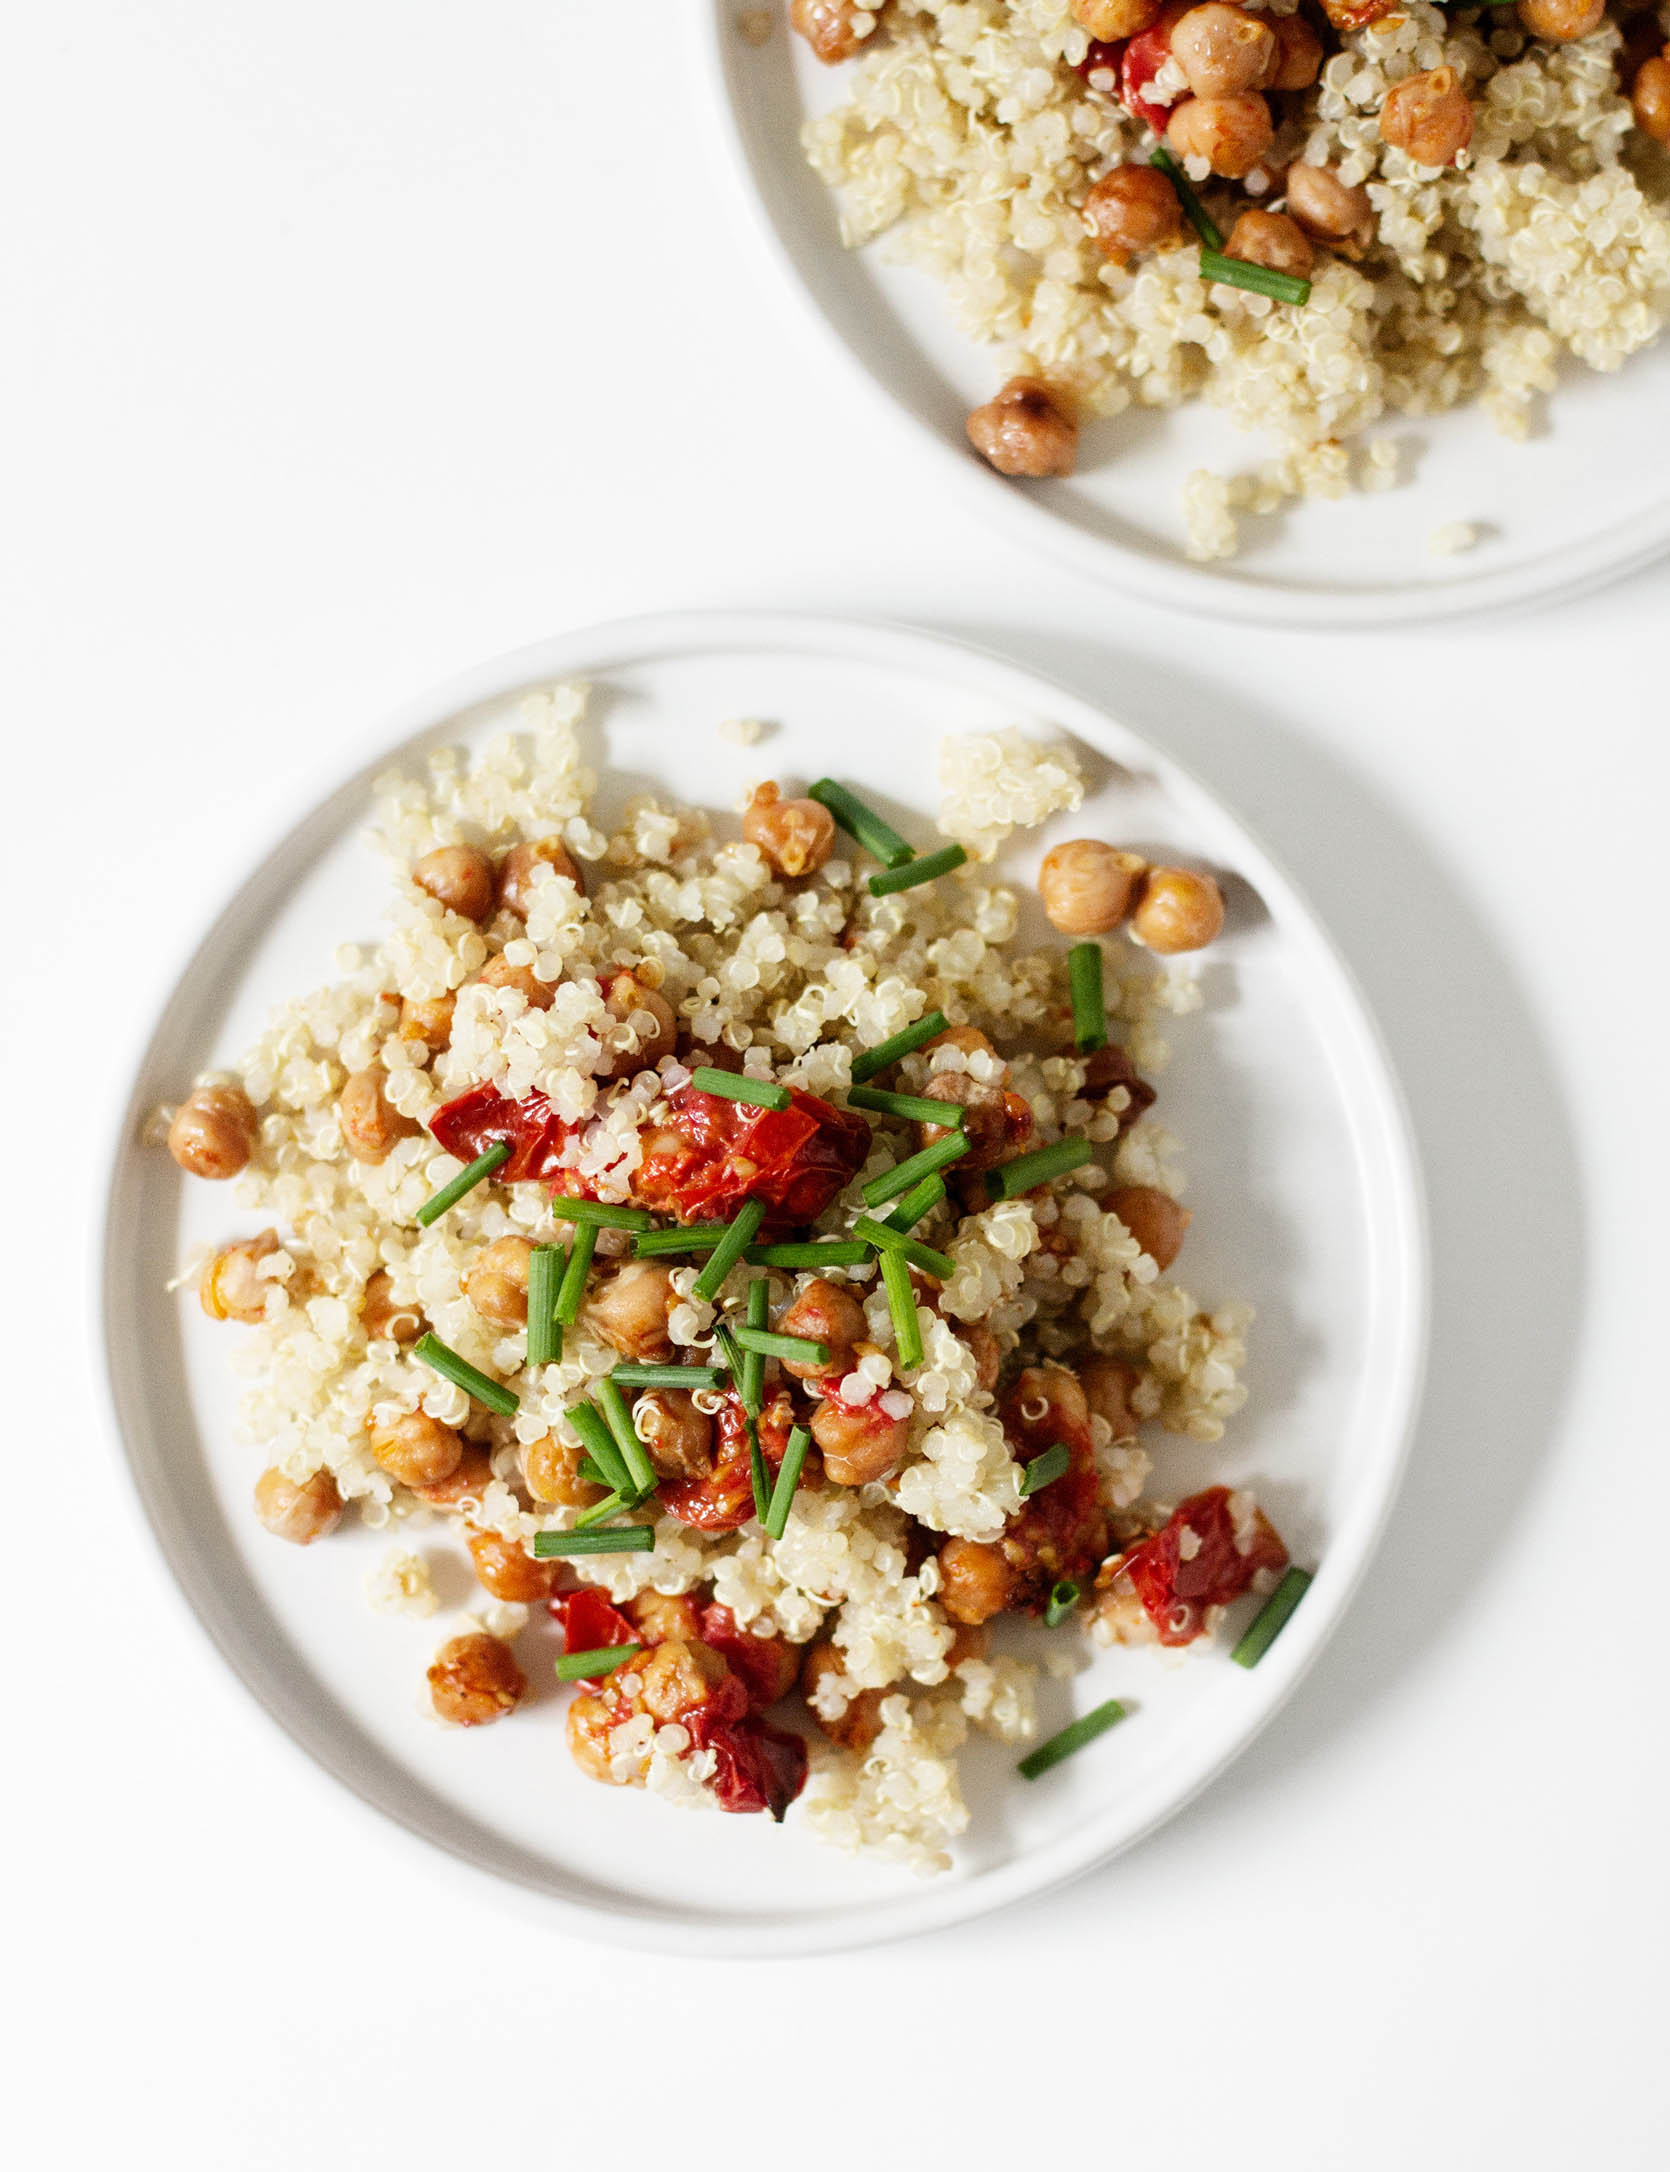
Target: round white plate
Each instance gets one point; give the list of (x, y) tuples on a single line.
[(1306, 1202), (1576, 506)]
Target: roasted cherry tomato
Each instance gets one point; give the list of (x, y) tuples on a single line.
[(765, 1666), (1199, 1560), (723, 1500), (590, 1620), (1061, 1530), (756, 1766), (712, 1154)]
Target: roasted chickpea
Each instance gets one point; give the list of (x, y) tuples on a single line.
[(830, 27), (1298, 58), (829, 1313), (1651, 100), (1111, 1066), (678, 1436), (860, 1720), (1111, 19), (983, 1347), (796, 835), (496, 1281), (552, 1469), (382, 1317), (1232, 134), (498, 972), (213, 1132), (1561, 21), (417, 1449), (1272, 239), (1429, 116), (592, 1718), (467, 1483), (1325, 206), (968, 1039), (1131, 209), (1222, 50), (371, 1124), (630, 1310), (1153, 1218), (516, 873), (676, 1677), (969, 1640), (301, 1513), (975, 1581), (1177, 910), (508, 1571), (628, 998), (986, 1123), (859, 1444), (233, 1286), (1108, 1386), (658, 1615), (428, 1022), (475, 1680), (458, 877), (1088, 887), (1028, 429)]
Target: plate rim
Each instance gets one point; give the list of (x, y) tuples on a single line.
[(1208, 590), (617, 644)]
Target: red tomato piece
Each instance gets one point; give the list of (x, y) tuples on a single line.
[(1143, 58), (1061, 1530), (1102, 59), (766, 1666), (1175, 1591), (590, 1620), (480, 1118), (714, 1154), (756, 1766), (723, 1500)]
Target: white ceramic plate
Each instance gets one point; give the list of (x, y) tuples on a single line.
[(1576, 506), (1306, 1202)]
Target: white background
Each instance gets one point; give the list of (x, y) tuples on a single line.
[(344, 345)]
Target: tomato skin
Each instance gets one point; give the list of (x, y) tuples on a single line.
[(765, 1666), (479, 1118), (723, 1500), (1061, 1530), (796, 1159), (1144, 57), (1176, 1593), (591, 1620), (756, 1766)]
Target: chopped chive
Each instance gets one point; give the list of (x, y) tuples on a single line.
[(757, 1472), (600, 1511), (599, 1215), (660, 1243), (1233, 271), (599, 1443), (887, 1239), (431, 1351), (545, 1272), (586, 1666), (829, 1252), (735, 1364), (1044, 1470), (795, 1349), (898, 1044), (618, 1418), (1042, 1166), (1070, 1738), (753, 1358), (901, 1302), (572, 1295), (465, 1181), (730, 1249), (915, 1108), (917, 1204), (593, 1476), (1064, 1596), (624, 1538), (866, 828), (928, 868), (669, 1376), (788, 1478), (929, 1162), (1090, 1009), (759, 1093), (1271, 1618), (1193, 209)]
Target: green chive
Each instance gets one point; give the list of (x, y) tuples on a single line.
[(1070, 1738), (898, 1044), (601, 1511), (1193, 209), (593, 1476), (660, 1243), (1064, 1596), (929, 1162), (639, 1468), (1231, 271), (865, 827), (600, 1216), (887, 1239), (915, 1108), (794, 1349), (1271, 1618), (830, 1252), (788, 1478), (730, 1248), (465, 1181), (753, 1358), (1044, 1470), (736, 1365), (759, 1093), (572, 1295), (927, 869), (917, 1204), (625, 1538), (757, 1472), (1090, 1010), (1042, 1166), (586, 1666), (431, 1351), (545, 1272), (599, 1443), (901, 1302), (689, 1377)]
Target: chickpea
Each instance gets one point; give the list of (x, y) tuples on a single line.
[(1049, 1402), (1232, 134), (1108, 1386), (1111, 19), (860, 1723), (552, 1470), (213, 1132), (630, 1310), (301, 1513), (592, 1718), (659, 1615), (460, 878), (498, 972), (627, 997), (1651, 99), (983, 1347), (496, 1281), (968, 1039), (233, 1287), (829, 1313), (381, 1316), (1178, 910), (428, 1022), (1028, 429), (1110, 1066), (1087, 887), (1298, 58), (985, 1123), (829, 28), (1153, 1218), (508, 1571), (678, 1436), (1272, 239), (1561, 21), (796, 835), (516, 873), (859, 1445), (1131, 209), (371, 1125), (467, 1483), (1429, 116), (975, 1580), (678, 1676), (475, 1680), (1222, 50), (969, 1640), (417, 1449), (1324, 205)]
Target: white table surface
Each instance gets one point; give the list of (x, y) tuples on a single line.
[(346, 345)]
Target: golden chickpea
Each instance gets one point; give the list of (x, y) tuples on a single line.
[(658, 1615), (860, 1723), (516, 872), (1298, 58), (1651, 98), (505, 1568), (213, 1132), (829, 1313), (1231, 134), (1088, 887), (969, 1039), (859, 1445), (1222, 50), (1108, 1386), (498, 972), (475, 1680), (496, 1281), (1561, 21), (984, 1348), (552, 1470), (465, 1487), (233, 1287), (382, 1316), (1050, 1400), (795, 835), (678, 1436), (1177, 910), (592, 1718), (975, 1580), (1111, 19), (1326, 206), (630, 1310), (460, 878), (371, 1125), (1272, 239), (301, 1513), (1428, 116), (676, 1677), (1028, 429), (417, 1449), (829, 26), (985, 1120), (428, 1022), (627, 998), (1131, 209), (1153, 1218)]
